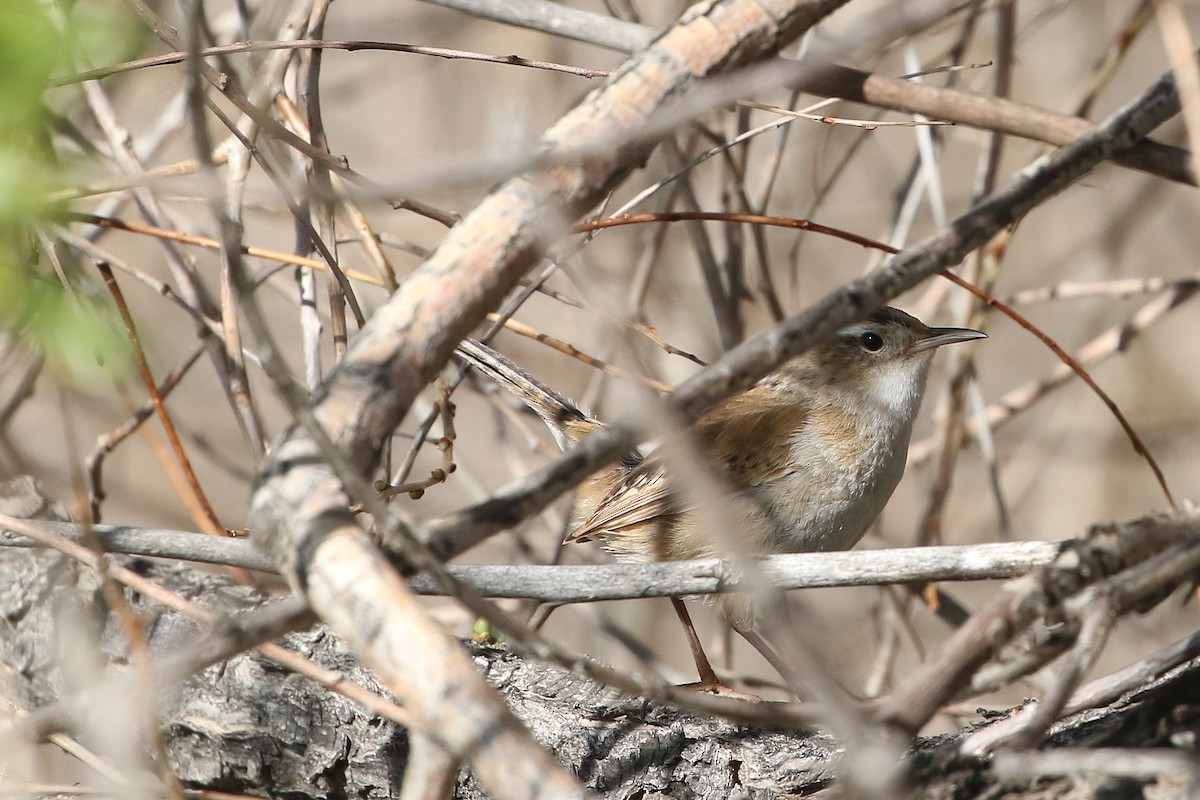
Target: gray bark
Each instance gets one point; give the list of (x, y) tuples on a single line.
[(248, 726)]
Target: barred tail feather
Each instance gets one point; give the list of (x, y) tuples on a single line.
[(566, 422)]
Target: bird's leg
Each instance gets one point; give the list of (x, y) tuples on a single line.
[(540, 614), (707, 676), (709, 682), (772, 656)]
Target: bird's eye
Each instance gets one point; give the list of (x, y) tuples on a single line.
[(871, 342)]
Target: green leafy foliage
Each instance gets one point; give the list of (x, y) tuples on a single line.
[(73, 332)]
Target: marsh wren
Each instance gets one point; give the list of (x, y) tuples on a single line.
[(810, 455)]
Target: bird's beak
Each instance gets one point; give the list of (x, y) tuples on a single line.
[(940, 336)]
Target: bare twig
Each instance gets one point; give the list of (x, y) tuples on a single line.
[(964, 108), (1114, 340), (597, 582), (325, 44), (195, 498), (1141, 545), (1143, 764), (1094, 694)]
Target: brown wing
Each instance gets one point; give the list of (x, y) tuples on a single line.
[(748, 438), (640, 497)]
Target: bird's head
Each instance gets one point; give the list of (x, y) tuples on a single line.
[(882, 360)]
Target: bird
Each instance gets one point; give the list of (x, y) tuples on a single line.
[(809, 455)]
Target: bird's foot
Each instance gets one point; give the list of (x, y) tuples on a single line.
[(715, 686)]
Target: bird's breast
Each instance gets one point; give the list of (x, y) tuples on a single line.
[(845, 468)]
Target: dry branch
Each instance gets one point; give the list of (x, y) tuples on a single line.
[(618, 581), (1129, 563), (845, 83)]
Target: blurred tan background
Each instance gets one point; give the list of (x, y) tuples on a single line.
[(404, 120)]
